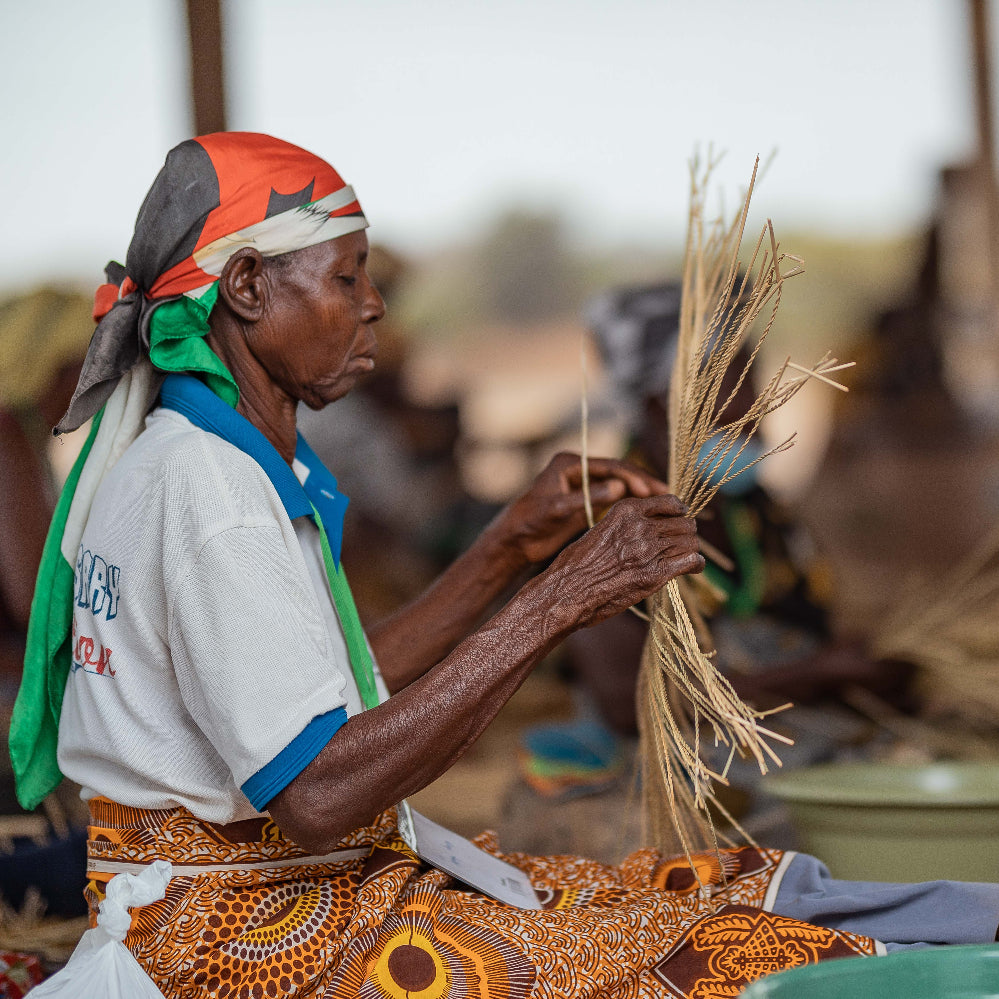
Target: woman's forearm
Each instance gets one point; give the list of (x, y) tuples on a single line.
[(421, 634), (382, 755), (527, 532)]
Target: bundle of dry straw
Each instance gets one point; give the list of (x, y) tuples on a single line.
[(948, 627), (682, 696), (30, 931)]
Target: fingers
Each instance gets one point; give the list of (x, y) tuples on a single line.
[(634, 551), (679, 563), (636, 481), (664, 517), (666, 505), (694, 562), (639, 482), (606, 491), (681, 551)]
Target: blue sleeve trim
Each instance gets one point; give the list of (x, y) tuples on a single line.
[(275, 776)]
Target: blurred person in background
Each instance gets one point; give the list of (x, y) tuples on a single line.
[(43, 339), (395, 459)]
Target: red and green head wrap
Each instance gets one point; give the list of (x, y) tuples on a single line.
[(215, 194)]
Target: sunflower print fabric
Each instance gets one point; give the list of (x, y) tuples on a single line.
[(248, 915)]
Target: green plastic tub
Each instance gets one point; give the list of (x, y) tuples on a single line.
[(885, 822), (936, 973)]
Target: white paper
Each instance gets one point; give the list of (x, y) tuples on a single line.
[(463, 860)]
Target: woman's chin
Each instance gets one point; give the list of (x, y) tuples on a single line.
[(323, 397)]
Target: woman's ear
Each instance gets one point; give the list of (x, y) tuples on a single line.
[(242, 285)]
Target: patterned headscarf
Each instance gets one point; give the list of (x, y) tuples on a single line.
[(215, 194)]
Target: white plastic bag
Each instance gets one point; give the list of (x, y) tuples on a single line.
[(102, 967)]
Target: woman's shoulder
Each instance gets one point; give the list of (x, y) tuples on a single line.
[(196, 473), (175, 443)]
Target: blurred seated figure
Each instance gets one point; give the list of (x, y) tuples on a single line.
[(772, 630), (43, 339)]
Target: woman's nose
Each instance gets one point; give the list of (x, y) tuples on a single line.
[(374, 305)]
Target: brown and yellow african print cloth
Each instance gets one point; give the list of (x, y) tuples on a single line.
[(248, 915)]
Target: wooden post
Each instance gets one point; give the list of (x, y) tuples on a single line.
[(981, 42), (204, 21)]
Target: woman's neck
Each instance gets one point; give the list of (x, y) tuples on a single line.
[(271, 410)]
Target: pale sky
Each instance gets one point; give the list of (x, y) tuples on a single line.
[(441, 112)]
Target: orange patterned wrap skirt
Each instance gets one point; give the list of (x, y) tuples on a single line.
[(248, 915)]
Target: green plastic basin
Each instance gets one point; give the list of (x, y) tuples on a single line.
[(936, 973), (886, 822)]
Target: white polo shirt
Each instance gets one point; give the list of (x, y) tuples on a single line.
[(205, 638)]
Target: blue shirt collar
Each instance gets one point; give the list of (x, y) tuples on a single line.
[(191, 398)]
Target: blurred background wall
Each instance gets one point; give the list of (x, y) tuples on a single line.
[(518, 156)]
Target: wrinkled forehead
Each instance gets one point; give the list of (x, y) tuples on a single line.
[(219, 192)]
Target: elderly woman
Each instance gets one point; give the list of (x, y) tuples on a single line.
[(196, 663)]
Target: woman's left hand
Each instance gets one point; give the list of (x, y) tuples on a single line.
[(552, 511)]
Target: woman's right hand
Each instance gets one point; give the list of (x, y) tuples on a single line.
[(638, 547)]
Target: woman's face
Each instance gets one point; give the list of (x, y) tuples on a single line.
[(316, 338)]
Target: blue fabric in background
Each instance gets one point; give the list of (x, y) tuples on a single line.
[(899, 915)]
